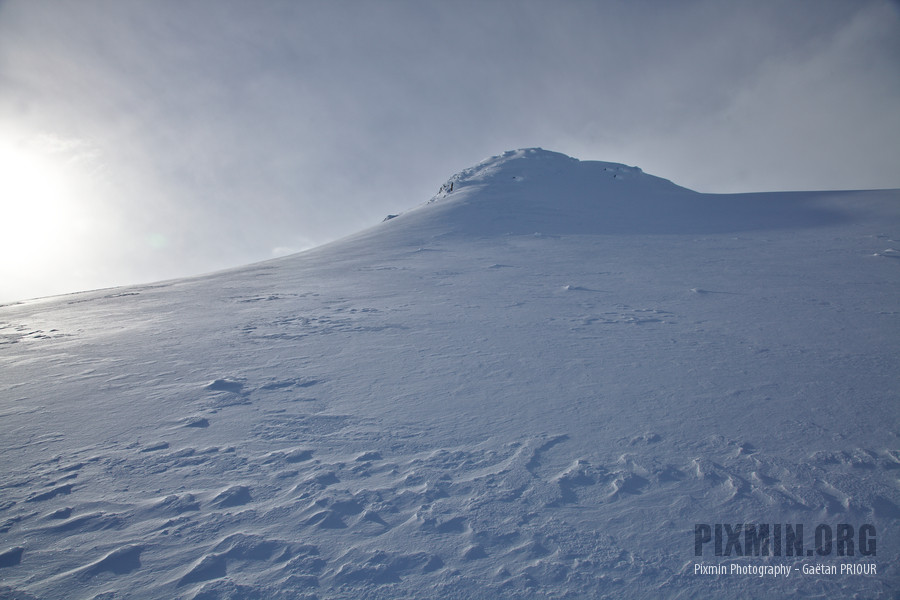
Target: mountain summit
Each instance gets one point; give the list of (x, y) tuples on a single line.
[(543, 169), (556, 379), (535, 190)]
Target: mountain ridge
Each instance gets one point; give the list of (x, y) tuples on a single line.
[(531, 190)]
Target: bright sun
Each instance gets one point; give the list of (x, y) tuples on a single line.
[(47, 227), (37, 204)]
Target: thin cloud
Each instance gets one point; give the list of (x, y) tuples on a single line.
[(229, 128)]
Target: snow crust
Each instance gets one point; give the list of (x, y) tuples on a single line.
[(532, 386)]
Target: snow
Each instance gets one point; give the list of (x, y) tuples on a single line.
[(535, 384)]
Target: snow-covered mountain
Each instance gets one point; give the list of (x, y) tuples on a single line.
[(556, 379)]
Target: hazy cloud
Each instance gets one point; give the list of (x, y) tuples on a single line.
[(229, 131)]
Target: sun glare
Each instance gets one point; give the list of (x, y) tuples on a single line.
[(45, 221), (38, 212)]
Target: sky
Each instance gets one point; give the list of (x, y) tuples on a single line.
[(147, 140)]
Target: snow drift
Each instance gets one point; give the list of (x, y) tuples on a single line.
[(538, 384)]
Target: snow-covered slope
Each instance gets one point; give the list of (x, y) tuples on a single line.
[(538, 384)]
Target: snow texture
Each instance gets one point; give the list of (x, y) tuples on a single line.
[(532, 386)]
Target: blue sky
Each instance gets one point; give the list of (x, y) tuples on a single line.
[(143, 140)]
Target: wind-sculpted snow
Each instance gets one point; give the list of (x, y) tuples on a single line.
[(537, 385)]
